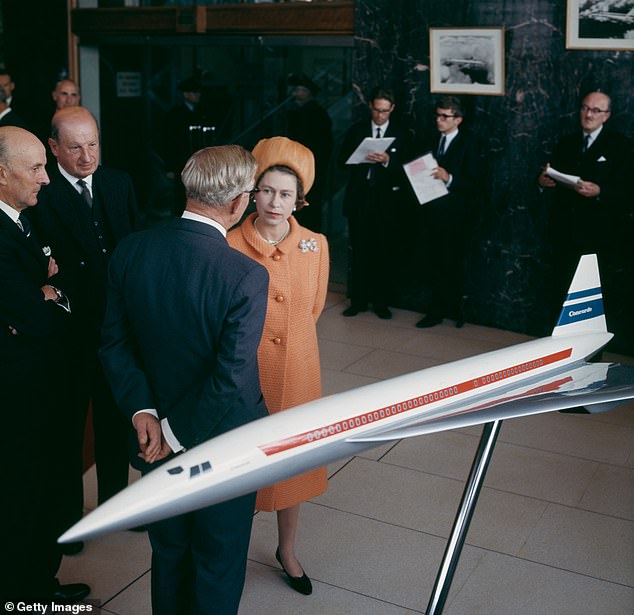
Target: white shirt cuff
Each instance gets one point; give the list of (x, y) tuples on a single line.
[(170, 438)]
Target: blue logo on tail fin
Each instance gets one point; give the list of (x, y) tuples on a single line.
[(580, 311)]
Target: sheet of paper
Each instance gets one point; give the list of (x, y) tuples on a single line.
[(425, 187), (562, 178), (369, 145)]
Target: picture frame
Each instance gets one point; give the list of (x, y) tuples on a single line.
[(590, 24), (467, 60)]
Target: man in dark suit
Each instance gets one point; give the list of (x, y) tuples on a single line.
[(592, 215), (8, 117), (187, 128), (183, 323), (371, 204), (7, 86), (445, 221), (309, 123), (82, 214), (33, 327), (66, 94)]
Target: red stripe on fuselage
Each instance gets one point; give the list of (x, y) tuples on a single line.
[(376, 416)]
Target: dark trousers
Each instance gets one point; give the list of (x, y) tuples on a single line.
[(89, 389), (443, 236), (199, 559), (30, 556), (31, 484), (111, 433), (370, 257)]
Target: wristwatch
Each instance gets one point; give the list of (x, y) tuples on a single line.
[(59, 293)]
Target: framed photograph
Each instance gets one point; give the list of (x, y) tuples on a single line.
[(600, 24), (467, 60)]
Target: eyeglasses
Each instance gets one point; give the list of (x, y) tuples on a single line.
[(444, 116), (593, 110)]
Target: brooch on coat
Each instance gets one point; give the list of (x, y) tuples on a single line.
[(308, 245), (46, 250)]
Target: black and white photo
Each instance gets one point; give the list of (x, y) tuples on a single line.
[(467, 60), (600, 24)]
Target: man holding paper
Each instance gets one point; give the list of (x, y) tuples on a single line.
[(585, 179), (373, 151), (446, 220)]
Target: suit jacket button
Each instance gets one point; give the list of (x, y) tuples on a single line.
[(279, 298), (82, 263), (277, 340), (276, 257)]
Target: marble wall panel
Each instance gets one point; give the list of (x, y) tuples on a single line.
[(508, 253)]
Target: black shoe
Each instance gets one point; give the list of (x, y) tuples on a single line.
[(71, 593), (299, 584), (428, 321), (72, 548), (353, 310), (383, 312)]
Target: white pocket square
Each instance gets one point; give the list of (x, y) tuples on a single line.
[(602, 159)]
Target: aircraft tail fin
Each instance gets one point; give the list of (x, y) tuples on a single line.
[(582, 311)]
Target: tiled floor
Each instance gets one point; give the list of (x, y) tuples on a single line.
[(553, 532)]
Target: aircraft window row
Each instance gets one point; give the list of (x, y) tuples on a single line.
[(376, 415), (517, 369), (369, 417), (436, 395), (364, 419)]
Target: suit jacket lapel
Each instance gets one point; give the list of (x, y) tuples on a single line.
[(596, 145), (28, 243), (452, 148), (65, 200)]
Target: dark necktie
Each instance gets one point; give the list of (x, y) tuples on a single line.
[(24, 224), (85, 192), (586, 143), (370, 175), (441, 146)]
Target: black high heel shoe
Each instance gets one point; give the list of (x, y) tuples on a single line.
[(299, 584)]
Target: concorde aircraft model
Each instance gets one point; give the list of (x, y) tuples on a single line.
[(538, 376)]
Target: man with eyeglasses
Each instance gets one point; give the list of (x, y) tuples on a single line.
[(591, 215), (374, 204), (444, 222)]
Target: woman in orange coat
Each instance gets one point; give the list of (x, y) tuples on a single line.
[(288, 356)]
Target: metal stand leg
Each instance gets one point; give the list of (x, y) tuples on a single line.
[(463, 518)]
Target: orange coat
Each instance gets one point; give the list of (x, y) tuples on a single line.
[(288, 355)]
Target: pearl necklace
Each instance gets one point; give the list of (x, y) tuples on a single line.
[(272, 242)]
